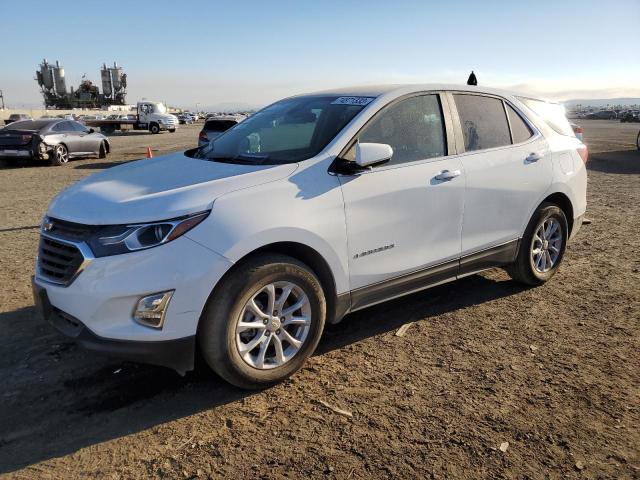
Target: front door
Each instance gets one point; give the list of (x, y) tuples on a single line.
[(405, 216)]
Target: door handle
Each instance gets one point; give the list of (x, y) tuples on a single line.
[(446, 175), (533, 157)]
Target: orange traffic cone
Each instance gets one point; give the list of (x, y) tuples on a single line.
[(149, 154)]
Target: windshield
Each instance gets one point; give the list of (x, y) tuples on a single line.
[(159, 108), (288, 131)]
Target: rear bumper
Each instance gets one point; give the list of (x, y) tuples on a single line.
[(7, 152), (577, 223), (177, 354)]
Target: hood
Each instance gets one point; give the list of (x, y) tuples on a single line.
[(157, 189)]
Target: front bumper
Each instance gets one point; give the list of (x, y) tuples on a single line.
[(177, 354), (103, 297)]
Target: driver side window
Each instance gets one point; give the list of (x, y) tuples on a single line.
[(414, 128)]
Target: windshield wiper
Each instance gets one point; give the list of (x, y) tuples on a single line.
[(243, 159)]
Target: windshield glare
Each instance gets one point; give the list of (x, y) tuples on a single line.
[(288, 131)]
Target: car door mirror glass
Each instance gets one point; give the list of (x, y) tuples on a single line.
[(369, 154)]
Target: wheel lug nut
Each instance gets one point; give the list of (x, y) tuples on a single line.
[(265, 321), (277, 332)]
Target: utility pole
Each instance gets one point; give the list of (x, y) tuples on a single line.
[(2, 98)]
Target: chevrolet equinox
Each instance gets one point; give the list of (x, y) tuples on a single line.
[(315, 206)]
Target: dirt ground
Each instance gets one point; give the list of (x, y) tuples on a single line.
[(554, 371)]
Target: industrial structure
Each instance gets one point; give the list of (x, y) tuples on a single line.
[(52, 82)]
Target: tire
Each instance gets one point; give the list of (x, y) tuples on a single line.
[(60, 155), (172, 130), (154, 128), (103, 151), (638, 141), (530, 268), (220, 343)]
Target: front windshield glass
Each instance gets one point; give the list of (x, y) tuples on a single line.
[(288, 131), (159, 108)]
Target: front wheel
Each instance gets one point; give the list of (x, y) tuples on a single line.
[(60, 155), (542, 246), (103, 151), (638, 141), (154, 128), (263, 321)]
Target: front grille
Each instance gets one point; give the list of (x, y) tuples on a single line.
[(58, 261)]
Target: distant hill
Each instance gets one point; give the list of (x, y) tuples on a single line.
[(602, 102)]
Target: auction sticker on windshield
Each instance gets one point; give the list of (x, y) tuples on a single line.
[(352, 101)]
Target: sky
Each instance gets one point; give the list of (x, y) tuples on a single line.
[(251, 52)]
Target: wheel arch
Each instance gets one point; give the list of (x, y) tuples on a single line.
[(564, 203), (310, 257)]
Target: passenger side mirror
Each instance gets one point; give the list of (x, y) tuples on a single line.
[(369, 154), (91, 130)]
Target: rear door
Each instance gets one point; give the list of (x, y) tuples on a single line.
[(507, 164), (403, 220)]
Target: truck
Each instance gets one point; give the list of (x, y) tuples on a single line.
[(152, 116)]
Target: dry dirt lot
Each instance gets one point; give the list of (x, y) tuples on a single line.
[(554, 371)]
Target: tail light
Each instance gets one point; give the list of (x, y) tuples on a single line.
[(203, 136), (583, 152)]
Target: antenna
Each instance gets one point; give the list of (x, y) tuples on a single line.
[(472, 80)]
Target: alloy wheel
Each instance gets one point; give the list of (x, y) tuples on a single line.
[(546, 245), (61, 154), (273, 325)]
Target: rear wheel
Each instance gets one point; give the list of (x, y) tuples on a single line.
[(542, 247), (263, 321), (171, 130), (60, 155), (154, 128)]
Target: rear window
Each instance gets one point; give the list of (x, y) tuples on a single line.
[(552, 113), (29, 124), (219, 125), (484, 122)]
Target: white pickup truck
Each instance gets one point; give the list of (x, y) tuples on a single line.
[(152, 116)]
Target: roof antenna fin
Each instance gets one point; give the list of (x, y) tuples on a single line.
[(472, 79)]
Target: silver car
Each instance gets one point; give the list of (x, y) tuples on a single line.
[(55, 140)]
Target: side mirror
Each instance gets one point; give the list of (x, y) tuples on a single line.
[(91, 130), (368, 154)]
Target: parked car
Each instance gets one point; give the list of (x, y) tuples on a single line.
[(54, 140), (184, 119), (315, 206), (16, 117), (602, 115), (216, 126), (630, 116)]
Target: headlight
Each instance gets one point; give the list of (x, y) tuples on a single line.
[(117, 239)]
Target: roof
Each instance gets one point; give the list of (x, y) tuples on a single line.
[(403, 89)]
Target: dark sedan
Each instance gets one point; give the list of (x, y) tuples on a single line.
[(56, 140)]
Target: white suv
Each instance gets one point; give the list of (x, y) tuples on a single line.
[(316, 206)]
